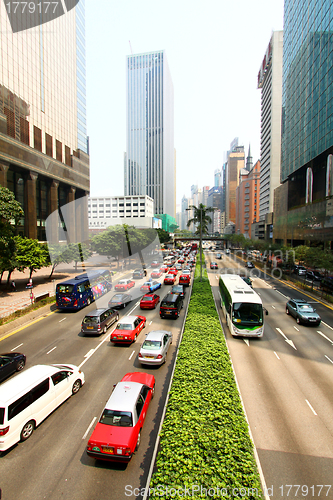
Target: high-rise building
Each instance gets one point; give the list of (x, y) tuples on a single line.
[(236, 161), (303, 204), (270, 83), (247, 201), (217, 177), (44, 150), (150, 155)]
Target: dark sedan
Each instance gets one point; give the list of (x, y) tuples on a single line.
[(10, 363), (249, 265), (120, 300), (302, 312), (314, 276)]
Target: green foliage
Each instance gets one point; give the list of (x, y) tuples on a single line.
[(30, 254), (201, 218), (77, 252), (204, 439), (164, 236), (10, 211)]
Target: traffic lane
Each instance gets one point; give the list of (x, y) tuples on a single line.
[(102, 370), (282, 422)]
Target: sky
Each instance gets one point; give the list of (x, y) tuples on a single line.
[(214, 50)]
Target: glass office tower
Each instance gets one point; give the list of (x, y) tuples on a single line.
[(303, 204), (149, 162), (43, 155)]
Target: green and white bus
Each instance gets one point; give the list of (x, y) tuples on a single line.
[(241, 306)]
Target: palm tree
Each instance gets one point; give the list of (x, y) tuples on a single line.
[(201, 220)]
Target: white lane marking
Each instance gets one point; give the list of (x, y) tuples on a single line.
[(247, 342), (296, 328), (276, 355), (63, 319), (328, 326), (134, 307), (51, 350), (273, 307), (329, 359), (216, 277), (131, 355), (325, 337), (311, 407), (106, 338), (150, 323), (90, 426), (89, 353), (285, 296), (16, 347), (290, 342)]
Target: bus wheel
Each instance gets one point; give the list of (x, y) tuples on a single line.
[(27, 430)]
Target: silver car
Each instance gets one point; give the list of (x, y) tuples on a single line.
[(154, 349)]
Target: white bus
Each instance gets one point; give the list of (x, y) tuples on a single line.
[(241, 306)]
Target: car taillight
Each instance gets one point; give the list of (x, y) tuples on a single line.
[(127, 451), (159, 356), (4, 431), (140, 355)]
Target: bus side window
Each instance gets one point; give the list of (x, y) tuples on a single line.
[(86, 285)]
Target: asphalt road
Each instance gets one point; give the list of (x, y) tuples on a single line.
[(53, 463), (286, 383)]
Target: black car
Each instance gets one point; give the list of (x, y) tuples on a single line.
[(171, 306), (302, 312), (139, 273), (179, 289), (249, 265), (327, 284), (299, 270), (247, 280), (314, 276), (120, 300), (10, 363)]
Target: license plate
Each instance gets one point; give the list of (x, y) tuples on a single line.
[(167, 312), (149, 357), (120, 337), (90, 327), (106, 449)]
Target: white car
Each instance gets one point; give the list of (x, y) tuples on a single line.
[(155, 347), (187, 271)]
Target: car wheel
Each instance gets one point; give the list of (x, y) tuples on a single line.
[(27, 430), (20, 365), (298, 321), (76, 386), (105, 329), (138, 442), (88, 302), (287, 311)]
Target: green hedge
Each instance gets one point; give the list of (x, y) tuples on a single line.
[(205, 447)]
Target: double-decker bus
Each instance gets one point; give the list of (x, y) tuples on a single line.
[(80, 291), (241, 306)]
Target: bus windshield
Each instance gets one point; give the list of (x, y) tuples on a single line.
[(65, 288), (247, 314)]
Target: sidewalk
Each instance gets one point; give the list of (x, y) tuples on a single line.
[(11, 301)]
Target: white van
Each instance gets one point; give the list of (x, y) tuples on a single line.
[(27, 399)]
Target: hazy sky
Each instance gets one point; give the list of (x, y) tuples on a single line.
[(214, 50)]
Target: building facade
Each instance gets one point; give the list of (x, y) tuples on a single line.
[(215, 201), (135, 211), (247, 200), (150, 155), (43, 142), (303, 203), (270, 83), (236, 162)]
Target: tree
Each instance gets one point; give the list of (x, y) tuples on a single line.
[(30, 254), (201, 220), (56, 254), (77, 252)]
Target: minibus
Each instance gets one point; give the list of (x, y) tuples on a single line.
[(29, 397)]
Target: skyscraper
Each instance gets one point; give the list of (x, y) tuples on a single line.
[(150, 157), (303, 203), (270, 83), (43, 152)]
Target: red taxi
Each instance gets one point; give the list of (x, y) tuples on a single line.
[(156, 274), (164, 269), (173, 270), (128, 329), (124, 285), (184, 279), (169, 279), (118, 433), (149, 301)]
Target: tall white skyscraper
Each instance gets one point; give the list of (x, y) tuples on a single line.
[(149, 161)]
